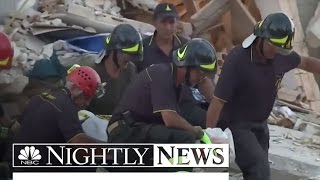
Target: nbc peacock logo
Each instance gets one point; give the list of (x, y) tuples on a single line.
[(29, 156)]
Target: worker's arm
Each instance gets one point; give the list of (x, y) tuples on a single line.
[(206, 87), (174, 120), (164, 101), (214, 111), (229, 80), (310, 64)]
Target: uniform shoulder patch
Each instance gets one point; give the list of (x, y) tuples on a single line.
[(48, 96)]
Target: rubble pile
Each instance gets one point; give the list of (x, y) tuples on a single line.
[(312, 31), (297, 105), (31, 30), (40, 31)]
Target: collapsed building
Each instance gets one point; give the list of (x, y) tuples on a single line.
[(42, 33)]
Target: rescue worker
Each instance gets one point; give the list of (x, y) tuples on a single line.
[(247, 89), (148, 111), (123, 46), (52, 117), (158, 49)]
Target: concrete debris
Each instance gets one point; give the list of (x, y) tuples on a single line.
[(294, 141), (38, 17), (90, 29), (146, 5), (17, 85), (51, 6), (300, 161), (291, 155), (312, 31), (283, 116), (90, 8), (80, 10), (12, 81), (310, 128)]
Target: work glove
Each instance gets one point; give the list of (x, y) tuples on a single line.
[(205, 139), (202, 135)]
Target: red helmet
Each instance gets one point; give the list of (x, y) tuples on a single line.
[(87, 79), (6, 52)]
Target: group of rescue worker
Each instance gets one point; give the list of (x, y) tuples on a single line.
[(151, 84)]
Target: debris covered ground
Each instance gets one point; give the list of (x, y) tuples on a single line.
[(39, 30)]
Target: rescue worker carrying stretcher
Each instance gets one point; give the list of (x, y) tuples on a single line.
[(148, 111)]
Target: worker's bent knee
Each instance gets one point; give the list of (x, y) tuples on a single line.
[(259, 170)]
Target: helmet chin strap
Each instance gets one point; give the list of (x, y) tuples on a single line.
[(187, 77), (261, 44), (115, 58)]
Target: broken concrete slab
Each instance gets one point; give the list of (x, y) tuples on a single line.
[(16, 87), (104, 24), (50, 33), (34, 44), (7, 7), (12, 81), (146, 5), (293, 155), (80, 10), (312, 30), (288, 95), (95, 3), (310, 128), (294, 152), (209, 15)]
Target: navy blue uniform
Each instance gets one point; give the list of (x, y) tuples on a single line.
[(152, 54), (50, 118), (248, 85), (152, 92), (137, 118)]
